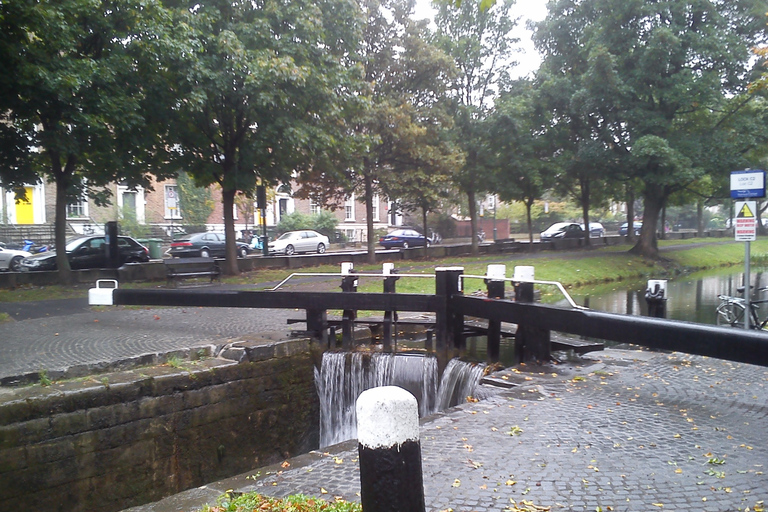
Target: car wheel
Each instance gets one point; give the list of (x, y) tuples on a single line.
[(242, 252), (320, 248), (205, 253), (405, 245), (289, 250), (15, 264)]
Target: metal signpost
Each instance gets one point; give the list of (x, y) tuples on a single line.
[(746, 184)]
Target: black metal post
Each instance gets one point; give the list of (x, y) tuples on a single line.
[(317, 325), (495, 291), (349, 285), (531, 343), (449, 322), (656, 298), (389, 316)]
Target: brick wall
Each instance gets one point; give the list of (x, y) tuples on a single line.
[(124, 439)]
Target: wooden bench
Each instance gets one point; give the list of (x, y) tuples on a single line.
[(177, 269)]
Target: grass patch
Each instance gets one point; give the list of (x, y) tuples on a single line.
[(248, 502)]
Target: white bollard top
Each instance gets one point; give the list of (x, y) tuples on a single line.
[(496, 272), (388, 269), (523, 273), (387, 416), (347, 267)]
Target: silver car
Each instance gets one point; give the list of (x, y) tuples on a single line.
[(10, 259), (302, 241)]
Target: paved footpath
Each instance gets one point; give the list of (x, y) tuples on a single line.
[(619, 430)]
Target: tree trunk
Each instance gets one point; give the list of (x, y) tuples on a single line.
[(663, 235), (584, 186), (424, 224), (473, 220), (62, 176), (528, 205), (368, 182), (653, 201), (700, 217), (228, 203), (630, 213)]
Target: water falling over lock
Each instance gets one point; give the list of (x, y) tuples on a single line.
[(344, 375)]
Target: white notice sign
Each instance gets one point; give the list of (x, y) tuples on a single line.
[(745, 226)]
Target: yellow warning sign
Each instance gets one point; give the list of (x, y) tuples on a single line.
[(745, 212)]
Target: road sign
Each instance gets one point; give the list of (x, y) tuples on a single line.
[(745, 226), (747, 184)]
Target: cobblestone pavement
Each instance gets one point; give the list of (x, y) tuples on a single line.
[(620, 430), (55, 343)]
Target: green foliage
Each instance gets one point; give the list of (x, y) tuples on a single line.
[(237, 502), (324, 222), (195, 202), (44, 379), (130, 226), (74, 103)]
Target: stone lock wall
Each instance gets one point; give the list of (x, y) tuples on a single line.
[(118, 440)]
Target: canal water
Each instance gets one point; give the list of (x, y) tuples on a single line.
[(692, 297)]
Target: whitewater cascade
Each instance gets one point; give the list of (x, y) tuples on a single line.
[(344, 375)]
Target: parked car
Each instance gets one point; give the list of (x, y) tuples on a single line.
[(404, 238), (89, 252), (637, 226), (205, 245), (595, 229), (301, 241), (562, 230), (10, 259)]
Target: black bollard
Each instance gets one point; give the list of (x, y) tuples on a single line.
[(495, 285), (531, 343), (389, 316), (449, 323), (348, 284), (390, 452), (656, 298)]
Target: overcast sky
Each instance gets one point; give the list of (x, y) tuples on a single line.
[(534, 10)]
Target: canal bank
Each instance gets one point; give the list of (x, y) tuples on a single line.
[(621, 430)]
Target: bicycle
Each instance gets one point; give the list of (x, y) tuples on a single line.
[(730, 311)]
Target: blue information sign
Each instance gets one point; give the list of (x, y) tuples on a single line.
[(750, 183)]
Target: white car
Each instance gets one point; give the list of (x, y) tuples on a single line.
[(302, 241), (10, 259)]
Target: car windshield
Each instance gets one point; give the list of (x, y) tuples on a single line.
[(554, 228), (287, 236), (72, 244)]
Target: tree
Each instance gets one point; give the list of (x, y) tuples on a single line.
[(264, 93), (397, 129), (74, 105), (524, 158), (479, 41), (644, 73), (195, 202)]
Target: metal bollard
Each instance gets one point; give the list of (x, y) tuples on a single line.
[(495, 285), (388, 269), (348, 284), (531, 343), (656, 298), (390, 451)]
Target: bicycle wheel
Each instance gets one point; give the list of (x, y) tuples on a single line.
[(730, 313)]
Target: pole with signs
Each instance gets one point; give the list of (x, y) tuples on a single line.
[(746, 184)]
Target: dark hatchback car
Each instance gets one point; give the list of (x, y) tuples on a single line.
[(404, 238), (205, 245), (89, 252)]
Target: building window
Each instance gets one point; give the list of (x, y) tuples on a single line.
[(349, 208), (78, 209), (375, 207), (314, 207), (172, 209)]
